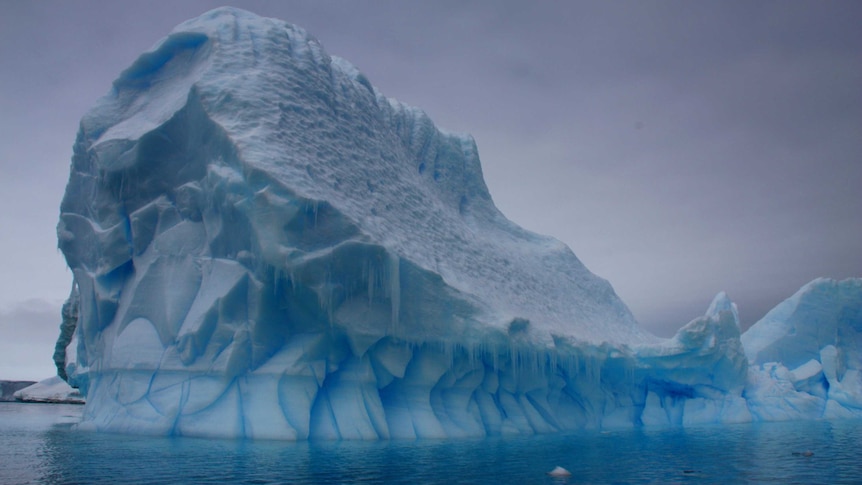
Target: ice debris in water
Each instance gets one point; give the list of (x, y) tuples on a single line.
[(265, 246)]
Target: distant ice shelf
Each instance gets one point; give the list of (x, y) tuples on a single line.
[(265, 246), (53, 390)]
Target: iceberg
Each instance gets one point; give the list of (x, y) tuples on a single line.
[(265, 246), (806, 354), (53, 390)]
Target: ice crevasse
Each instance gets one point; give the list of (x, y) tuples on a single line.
[(265, 246)]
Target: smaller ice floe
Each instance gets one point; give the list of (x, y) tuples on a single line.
[(51, 390), (559, 472)]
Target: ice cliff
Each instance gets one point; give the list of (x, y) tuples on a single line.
[(263, 245)]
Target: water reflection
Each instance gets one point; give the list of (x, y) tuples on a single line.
[(39, 447)]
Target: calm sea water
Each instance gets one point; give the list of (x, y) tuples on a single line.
[(38, 445)]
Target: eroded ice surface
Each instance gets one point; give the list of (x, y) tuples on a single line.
[(806, 354), (265, 246)]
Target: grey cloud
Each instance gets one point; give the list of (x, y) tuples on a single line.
[(29, 330)]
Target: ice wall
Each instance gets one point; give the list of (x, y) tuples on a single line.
[(265, 246)]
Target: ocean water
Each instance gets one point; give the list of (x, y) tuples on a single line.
[(39, 445)]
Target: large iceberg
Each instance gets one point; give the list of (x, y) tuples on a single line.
[(265, 246)]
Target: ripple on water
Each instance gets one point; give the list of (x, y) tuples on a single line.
[(38, 445)]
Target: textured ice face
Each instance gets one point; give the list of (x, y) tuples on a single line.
[(245, 211), (265, 246), (807, 354), (239, 138)]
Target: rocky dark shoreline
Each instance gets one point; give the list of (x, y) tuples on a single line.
[(9, 388)]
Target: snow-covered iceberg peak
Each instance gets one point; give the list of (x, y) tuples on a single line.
[(259, 238), (823, 312), (238, 138)]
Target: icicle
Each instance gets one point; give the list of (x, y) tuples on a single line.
[(495, 359), (276, 277), (370, 270), (515, 364), (326, 296), (330, 297), (395, 287)]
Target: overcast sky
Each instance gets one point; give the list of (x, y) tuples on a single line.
[(679, 148)]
